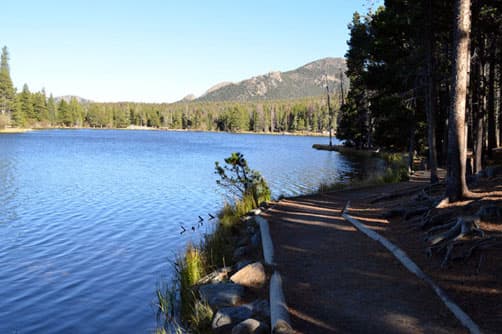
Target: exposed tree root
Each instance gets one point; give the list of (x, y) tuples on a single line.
[(456, 233), (429, 220), (483, 244), (464, 226), (471, 247), (452, 229), (468, 195)]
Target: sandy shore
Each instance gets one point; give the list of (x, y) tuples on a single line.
[(15, 130)]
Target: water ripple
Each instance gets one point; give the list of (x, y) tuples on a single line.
[(89, 219)]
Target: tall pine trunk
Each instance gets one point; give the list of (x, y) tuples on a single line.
[(492, 134), (500, 100), (477, 112), (456, 186), (429, 97)]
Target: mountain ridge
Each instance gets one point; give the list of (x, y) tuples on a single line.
[(304, 81), (68, 98)]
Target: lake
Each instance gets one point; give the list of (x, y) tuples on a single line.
[(90, 218)]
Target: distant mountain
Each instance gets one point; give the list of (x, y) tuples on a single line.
[(308, 80), (188, 98), (68, 98)]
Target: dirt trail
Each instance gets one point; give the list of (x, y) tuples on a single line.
[(337, 280)]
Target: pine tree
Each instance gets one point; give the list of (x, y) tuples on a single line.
[(26, 104), (7, 91), (40, 106), (76, 113), (18, 117), (64, 116), (52, 110)]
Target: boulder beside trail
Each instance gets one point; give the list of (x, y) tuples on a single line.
[(251, 276)]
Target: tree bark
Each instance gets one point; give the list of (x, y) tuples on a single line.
[(411, 147), (429, 97), (492, 134), (456, 186), (477, 112), (500, 101), (478, 142)]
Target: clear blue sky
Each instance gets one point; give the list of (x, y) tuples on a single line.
[(162, 50)]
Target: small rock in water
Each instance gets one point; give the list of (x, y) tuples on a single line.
[(251, 276), (250, 326), (230, 315)]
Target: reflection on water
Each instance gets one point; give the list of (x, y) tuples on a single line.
[(89, 218)]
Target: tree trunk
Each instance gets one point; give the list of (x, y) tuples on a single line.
[(477, 112), (500, 101), (456, 186), (478, 142), (492, 134), (411, 147), (429, 98)]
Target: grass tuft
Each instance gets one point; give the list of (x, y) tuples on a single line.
[(201, 317), (189, 270), (215, 251)]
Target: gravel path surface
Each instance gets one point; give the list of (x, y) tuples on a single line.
[(337, 280)]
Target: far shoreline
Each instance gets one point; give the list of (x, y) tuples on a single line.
[(145, 128), (15, 130)]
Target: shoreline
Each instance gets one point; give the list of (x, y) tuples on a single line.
[(15, 130), (144, 128)]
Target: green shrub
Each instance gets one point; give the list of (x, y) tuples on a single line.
[(240, 181)]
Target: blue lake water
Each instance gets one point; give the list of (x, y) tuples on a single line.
[(90, 218)]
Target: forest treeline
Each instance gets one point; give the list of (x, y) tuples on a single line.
[(37, 110), (401, 68)]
